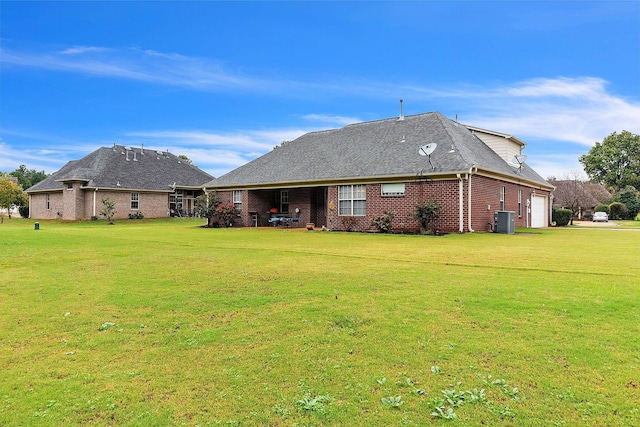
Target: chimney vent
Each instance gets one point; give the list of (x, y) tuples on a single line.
[(401, 113)]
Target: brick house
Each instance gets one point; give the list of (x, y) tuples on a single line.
[(343, 178), (155, 183)]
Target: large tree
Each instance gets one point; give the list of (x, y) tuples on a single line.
[(11, 195), (28, 177), (616, 161)]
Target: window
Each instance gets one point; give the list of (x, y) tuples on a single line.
[(519, 202), (284, 201), (175, 201), (393, 189), (237, 199), (135, 199), (69, 186), (352, 200), (47, 201), (502, 198)]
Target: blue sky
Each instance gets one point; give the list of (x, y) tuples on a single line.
[(224, 82)]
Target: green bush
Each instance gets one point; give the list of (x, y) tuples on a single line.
[(631, 199), (23, 211), (561, 217), (383, 222), (137, 215), (602, 208), (618, 210), (427, 213)]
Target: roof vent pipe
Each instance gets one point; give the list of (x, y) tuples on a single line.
[(142, 148), (401, 113)]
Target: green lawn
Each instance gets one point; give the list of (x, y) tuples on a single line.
[(161, 322)]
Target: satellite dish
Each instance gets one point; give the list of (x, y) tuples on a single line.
[(519, 159), (427, 149)]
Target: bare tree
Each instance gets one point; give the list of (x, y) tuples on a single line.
[(573, 192)]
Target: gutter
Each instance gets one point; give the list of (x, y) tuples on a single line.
[(94, 201)]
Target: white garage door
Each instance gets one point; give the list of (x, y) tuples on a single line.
[(538, 212)]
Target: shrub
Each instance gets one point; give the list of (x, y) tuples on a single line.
[(383, 222), (561, 217), (206, 206), (631, 199), (23, 211), (137, 215), (618, 210), (426, 213), (108, 209), (227, 213), (602, 208)]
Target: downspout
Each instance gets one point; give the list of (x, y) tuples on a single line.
[(460, 203), (94, 202), (473, 169)]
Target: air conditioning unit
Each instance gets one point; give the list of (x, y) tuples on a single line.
[(504, 222)]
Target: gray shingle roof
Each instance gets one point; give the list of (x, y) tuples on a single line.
[(108, 166), (377, 149)]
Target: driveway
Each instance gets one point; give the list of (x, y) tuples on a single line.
[(596, 224)]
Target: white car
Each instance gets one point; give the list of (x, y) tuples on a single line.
[(600, 216)]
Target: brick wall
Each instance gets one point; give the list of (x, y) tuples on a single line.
[(311, 201), (485, 201), (38, 205), (77, 204)]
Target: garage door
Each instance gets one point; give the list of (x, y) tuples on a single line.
[(538, 212)]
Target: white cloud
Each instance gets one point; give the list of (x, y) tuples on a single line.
[(79, 50), (331, 119), (563, 110), (214, 152), (136, 64), (574, 110)]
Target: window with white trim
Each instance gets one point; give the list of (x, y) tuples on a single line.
[(502, 198), (135, 201), (352, 200), (69, 186), (47, 201), (237, 199), (519, 202), (394, 189)]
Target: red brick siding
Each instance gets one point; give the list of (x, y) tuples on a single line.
[(311, 201), (486, 200)]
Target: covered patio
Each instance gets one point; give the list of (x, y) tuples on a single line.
[(292, 207)]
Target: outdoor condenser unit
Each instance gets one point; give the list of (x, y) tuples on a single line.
[(504, 222)]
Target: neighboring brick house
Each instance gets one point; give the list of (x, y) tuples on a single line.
[(155, 183), (343, 178), (581, 197)]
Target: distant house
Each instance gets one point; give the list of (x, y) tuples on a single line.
[(155, 183), (581, 197), (343, 178)]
